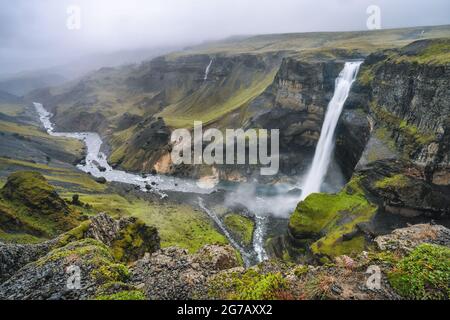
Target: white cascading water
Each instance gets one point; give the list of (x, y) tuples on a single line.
[(207, 70), (325, 146), (245, 256)]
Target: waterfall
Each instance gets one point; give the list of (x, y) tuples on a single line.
[(245, 256), (207, 70), (325, 146)]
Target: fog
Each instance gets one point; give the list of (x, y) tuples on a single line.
[(34, 34)]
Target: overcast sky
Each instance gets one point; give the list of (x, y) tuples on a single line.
[(33, 33)]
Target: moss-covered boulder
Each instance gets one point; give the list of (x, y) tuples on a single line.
[(401, 188), (75, 271), (30, 205), (241, 227), (129, 238), (328, 223), (134, 239), (385, 195)]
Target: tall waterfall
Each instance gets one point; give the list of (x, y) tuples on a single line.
[(325, 146), (207, 70)]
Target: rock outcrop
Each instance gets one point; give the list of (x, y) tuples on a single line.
[(406, 239), (405, 92), (75, 271), (30, 205), (172, 273)]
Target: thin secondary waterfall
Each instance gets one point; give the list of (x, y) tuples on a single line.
[(325, 146), (207, 70), (245, 256)]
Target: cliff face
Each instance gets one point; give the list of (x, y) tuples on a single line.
[(403, 174), (296, 103), (406, 93)]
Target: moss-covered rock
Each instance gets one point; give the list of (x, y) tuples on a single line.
[(30, 205), (134, 239), (330, 221), (248, 285), (51, 276), (240, 227)]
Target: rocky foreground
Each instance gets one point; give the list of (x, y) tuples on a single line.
[(120, 259)]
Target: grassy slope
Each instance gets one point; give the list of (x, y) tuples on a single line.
[(18, 123), (240, 227), (201, 105), (30, 206), (177, 224), (365, 41)]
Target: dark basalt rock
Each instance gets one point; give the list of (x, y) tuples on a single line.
[(400, 188)]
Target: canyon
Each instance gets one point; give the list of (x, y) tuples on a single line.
[(380, 164)]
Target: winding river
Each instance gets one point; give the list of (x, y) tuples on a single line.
[(261, 206)]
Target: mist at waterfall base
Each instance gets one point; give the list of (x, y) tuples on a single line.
[(274, 200), (325, 146)]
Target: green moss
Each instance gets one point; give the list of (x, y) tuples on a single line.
[(134, 241), (384, 257), (436, 52), (240, 227), (124, 295), (366, 76), (325, 218), (94, 251), (423, 274), (412, 136), (178, 224), (73, 235), (395, 181), (301, 270), (29, 204), (250, 285), (111, 273)]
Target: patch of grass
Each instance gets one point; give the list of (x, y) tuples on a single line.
[(29, 204), (178, 225), (241, 227), (124, 295), (63, 179), (436, 52), (72, 146), (20, 238), (319, 287), (11, 109), (423, 274), (396, 181), (250, 285)]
